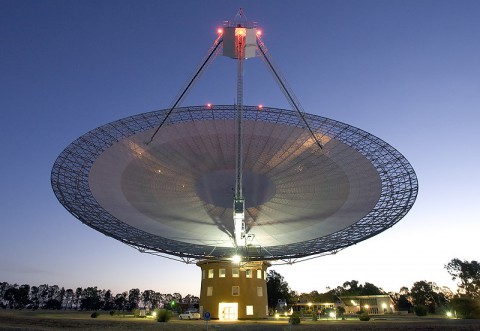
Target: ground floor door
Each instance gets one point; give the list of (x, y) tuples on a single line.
[(228, 311)]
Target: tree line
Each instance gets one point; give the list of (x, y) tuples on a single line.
[(16, 296), (422, 298)]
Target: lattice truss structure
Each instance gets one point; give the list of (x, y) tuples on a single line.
[(173, 197)]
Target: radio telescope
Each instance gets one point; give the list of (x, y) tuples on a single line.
[(203, 184)]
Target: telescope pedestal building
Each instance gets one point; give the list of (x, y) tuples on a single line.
[(233, 291)]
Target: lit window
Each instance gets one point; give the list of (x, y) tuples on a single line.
[(203, 274), (259, 274), (210, 273), (248, 273), (260, 291), (235, 273), (249, 310), (221, 273), (235, 290), (209, 291), (265, 275)]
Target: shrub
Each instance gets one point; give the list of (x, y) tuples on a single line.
[(294, 319), (420, 310), (340, 311), (112, 312), (364, 317), (314, 317), (94, 314), (136, 313), (163, 315)]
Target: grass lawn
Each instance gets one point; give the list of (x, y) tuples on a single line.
[(26, 320)]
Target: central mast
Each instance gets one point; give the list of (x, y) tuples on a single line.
[(239, 43), (239, 201)]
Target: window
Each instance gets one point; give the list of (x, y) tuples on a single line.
[(210, 273), (209, 291), (259, 274), (249, 310), (235, 290), (248, 273), (260, 291), (265, 275), (203, 274), (221, 273), (235, 273)]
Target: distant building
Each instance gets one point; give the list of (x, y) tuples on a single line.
[(317, 307), (372, 304)]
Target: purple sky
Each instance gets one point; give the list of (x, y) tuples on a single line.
[(406, 71)]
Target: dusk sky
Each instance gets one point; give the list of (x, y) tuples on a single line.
[(405, 71)]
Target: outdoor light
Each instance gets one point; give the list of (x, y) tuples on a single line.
[(332, 314), (154, 314), (384, 305), (309, 304), (449, 313), (277, 315), (236, 259)]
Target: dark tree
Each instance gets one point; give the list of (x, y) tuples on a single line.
[(3, 287), (69, 298), (108, 300), (277, 288), (353, 288), (34, 297), (120, 301), (42, 294), (78, 297), (466, 307), (427, 294), (90, 299), (10, 296), (468, 273), (147, 296), (403, 303), (23, 296), (156, 299), (133, 299), (370, 289)]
